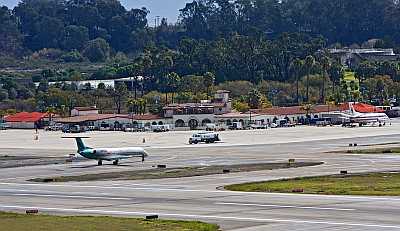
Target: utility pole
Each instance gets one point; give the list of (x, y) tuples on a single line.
[(250, 117)]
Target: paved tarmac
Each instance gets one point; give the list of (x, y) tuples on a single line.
[(201, 198)]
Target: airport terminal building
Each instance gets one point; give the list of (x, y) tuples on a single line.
[(186, 116)]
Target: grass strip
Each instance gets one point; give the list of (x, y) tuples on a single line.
[(22, 222), (368, 184), (159, 173)]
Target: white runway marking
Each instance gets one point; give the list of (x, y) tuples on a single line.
[(193, 216), (363, 198), (285, 206), (69, 196)]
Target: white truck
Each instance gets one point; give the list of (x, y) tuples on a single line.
[(236, 126), (206, 137), (160, 128)]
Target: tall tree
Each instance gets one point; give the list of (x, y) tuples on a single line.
[(119, 94), (297, 66), (254, 99), (173, 83), (97, 50), (364, 71), (75, 37), (308, 65), (325, 65), (336, 73), (10, 36), (209, 79)]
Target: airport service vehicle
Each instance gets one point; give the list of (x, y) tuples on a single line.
[(107, 154), (236, 126), (206, 137), (160, 128)]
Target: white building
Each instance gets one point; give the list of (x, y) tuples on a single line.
[(115, 121), (82, 111), (197, 115)]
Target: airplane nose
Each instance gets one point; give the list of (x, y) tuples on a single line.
[(145, 154)]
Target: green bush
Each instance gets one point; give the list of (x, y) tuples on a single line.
[(73, 56)]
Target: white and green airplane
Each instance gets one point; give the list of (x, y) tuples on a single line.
[(108, 154)]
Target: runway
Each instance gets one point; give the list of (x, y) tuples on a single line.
[(201, 198)]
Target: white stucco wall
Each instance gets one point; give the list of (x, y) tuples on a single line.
[(21, 125)]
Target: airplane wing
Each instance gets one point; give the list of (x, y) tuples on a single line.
[(117, 157)]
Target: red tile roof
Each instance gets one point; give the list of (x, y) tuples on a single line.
[(298, 110), (26, 117), (87, 118), (236, 115), (86, 108), (147, 117), (295, 110), (95, 117), (361, 107)]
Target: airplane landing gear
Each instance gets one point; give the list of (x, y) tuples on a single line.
[(115, 162), (100, 163), (142, 158)]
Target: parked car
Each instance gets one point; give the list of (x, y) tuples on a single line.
[(258, 126), (105, 127), (54, 127), (3, 126), (132, 128), (91, 128), (73, 129)]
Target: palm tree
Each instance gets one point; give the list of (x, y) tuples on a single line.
[(208, 80), (132, 104), (309, 64), (307, 108), (325, 64), (336, 73), (134, 71), (297, 65), (173, 82), (141, 106), (50, 112)]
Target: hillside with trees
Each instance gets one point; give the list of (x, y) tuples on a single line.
[(267, 52)]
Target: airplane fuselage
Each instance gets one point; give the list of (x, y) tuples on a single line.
[(369, 118), (110, 154)]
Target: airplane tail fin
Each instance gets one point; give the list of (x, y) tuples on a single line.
[(351, 107), (80, 144)]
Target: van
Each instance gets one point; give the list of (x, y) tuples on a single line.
[(236, 126)]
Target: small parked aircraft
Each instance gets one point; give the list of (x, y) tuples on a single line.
[(108, 154), (364, 118)]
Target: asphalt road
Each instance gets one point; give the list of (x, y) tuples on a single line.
[(198, 198)]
